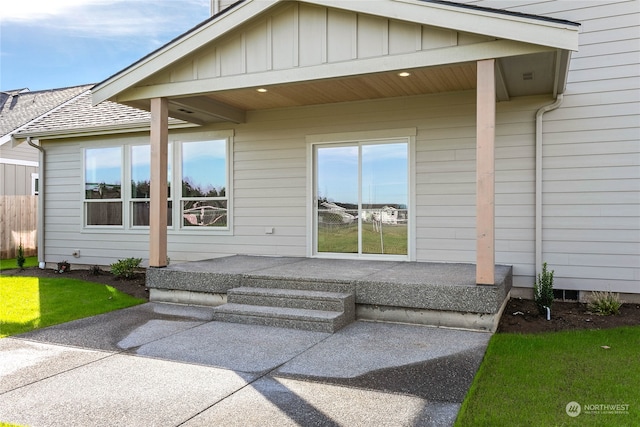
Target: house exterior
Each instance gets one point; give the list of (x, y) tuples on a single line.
[(19, 164), (508, 136)]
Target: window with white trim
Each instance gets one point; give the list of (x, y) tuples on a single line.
[(140, 177), (103, 186), (198, 192), (204, 198)]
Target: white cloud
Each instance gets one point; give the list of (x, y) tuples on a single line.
[(37, 10), (107, 18)]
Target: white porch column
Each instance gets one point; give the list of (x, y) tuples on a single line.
[(485, 173), (158, 204)]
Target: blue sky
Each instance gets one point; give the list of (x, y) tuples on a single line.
[(46, 44), (384, 174)]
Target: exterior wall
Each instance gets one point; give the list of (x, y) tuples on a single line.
[(270, 183), (591, 224), (591, 170), (16, 166)]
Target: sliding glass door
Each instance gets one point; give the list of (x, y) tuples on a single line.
[(361, 194)]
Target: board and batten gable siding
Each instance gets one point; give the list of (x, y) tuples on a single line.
[(300, 35), (270, 181), (591, 177), (16, 180), (16, 166)]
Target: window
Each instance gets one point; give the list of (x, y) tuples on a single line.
[(103, 186), (141, 183), (197, 192), (204, 196), (35, 184), (362, 191), (361, 194)]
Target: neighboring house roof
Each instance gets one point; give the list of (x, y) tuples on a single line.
[(20, 107), (80, 116)]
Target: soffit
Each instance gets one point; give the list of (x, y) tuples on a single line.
[(360, 56)]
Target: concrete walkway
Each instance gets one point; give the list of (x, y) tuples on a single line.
[(168, 365)]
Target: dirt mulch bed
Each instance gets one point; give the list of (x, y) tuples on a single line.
[(520, 315), (134, 287)]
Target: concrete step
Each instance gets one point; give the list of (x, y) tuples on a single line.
[(284, 317), (292, 298), (296, 283)]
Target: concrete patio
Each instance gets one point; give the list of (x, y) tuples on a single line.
[(169, 365), (435, 294)]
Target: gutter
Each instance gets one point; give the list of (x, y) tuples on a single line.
[(538, 194), (41, 258)]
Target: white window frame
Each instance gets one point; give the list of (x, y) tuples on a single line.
[(178, 198), (408, 134), (175, 152), (122, 198), (130, 200)]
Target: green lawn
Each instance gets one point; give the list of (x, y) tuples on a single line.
[(7, 264), (528, 380), (29, 303), (343, 238)]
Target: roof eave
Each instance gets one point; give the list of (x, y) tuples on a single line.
[(113, 129), (174, 50), (549, 33)]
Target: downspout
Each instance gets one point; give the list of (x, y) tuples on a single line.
[(538, 202), (41, 180)]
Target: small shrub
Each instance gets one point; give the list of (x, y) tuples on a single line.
[(95, 270), (20, 259), (605, 303), (63, 267), (543, 289), (125, 268)]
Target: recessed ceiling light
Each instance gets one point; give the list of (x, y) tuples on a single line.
[(404, 74), (261, 90)]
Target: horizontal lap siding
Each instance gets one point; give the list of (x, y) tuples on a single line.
[(591, 226), (63, 216), (270, 183)]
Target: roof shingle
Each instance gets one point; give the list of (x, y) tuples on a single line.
[(19, 107)]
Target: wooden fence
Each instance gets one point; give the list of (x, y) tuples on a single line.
[(18, 224)]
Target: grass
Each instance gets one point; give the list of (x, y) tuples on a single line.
[(528, 380), (29, 303), (8, 264), (343, 238)]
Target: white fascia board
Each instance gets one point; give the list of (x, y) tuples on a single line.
[(431, 58), (478, 21), (29, 163), (177, 49)]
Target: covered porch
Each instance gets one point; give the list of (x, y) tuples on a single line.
[(437, 294), (280, 79)]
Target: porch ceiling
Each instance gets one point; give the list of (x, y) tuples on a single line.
[(523, 75)]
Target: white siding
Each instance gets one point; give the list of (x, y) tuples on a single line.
[(591, 234), (270, 179)]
